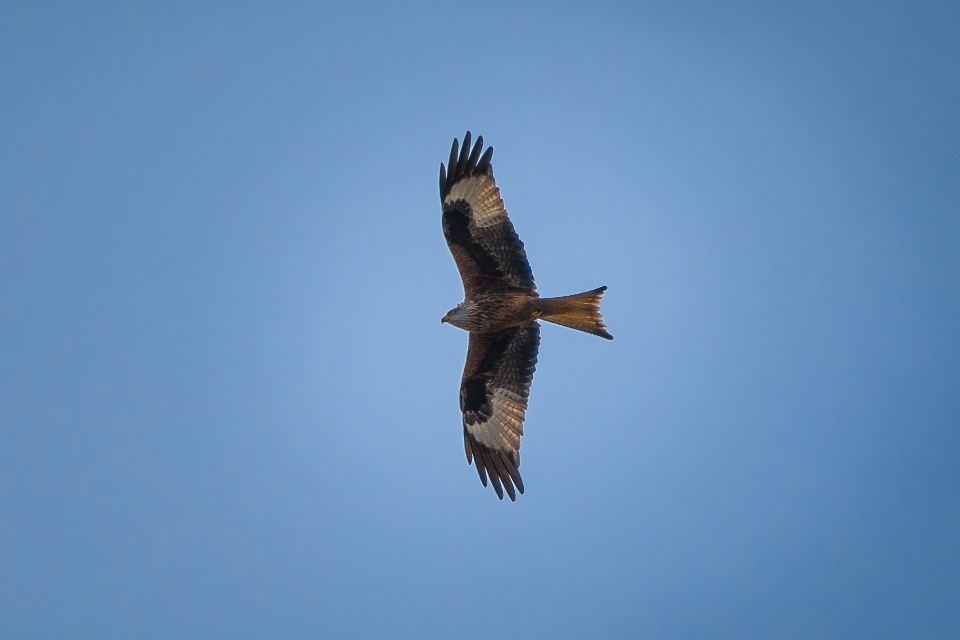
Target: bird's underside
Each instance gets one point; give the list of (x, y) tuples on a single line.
[(501, 309)]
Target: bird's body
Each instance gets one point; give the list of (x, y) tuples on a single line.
[(493, 311), (500, 310)]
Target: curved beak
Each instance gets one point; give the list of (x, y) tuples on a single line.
[(445, 318)]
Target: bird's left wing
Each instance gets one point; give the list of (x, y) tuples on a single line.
[(493, 399), (484, 244)]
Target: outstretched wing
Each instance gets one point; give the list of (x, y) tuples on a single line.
[(493, 398), (478, 231)]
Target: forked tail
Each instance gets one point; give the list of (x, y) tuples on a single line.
[(580, 311)]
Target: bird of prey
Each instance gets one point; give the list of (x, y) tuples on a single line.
[(500, 310)]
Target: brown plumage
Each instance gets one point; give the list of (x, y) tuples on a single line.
[(500, 309)]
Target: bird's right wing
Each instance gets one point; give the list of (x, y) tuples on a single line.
[(493, 399), (481, 237)]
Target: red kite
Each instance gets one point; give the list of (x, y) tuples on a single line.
[(500, 309)]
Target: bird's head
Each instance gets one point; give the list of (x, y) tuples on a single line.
[(456, 316)]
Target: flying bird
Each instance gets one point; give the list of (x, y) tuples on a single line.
[(500, 310)]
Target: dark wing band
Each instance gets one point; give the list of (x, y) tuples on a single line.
[(478, 230), (493, 399)]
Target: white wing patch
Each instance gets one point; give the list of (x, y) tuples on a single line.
[(502, 431), (483, 196)]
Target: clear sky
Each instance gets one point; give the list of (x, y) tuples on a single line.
[(228, 408)]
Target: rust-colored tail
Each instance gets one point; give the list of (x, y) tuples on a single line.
[(580, 311)]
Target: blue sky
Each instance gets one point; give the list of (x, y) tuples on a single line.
[(228, 407)]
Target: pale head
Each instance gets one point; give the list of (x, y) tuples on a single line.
[(456, 316)]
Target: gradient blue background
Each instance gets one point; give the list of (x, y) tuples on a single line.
[(228, 408)]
